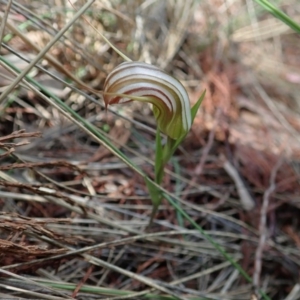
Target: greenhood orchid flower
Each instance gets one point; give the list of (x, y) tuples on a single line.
[(147, 83), (171, 107)]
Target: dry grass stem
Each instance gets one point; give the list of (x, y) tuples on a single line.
[(263, 224)]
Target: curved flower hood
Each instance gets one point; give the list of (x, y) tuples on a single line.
[(147, 83)]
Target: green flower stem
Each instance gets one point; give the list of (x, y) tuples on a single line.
[(169, 149), (162, 155), (163, 158)]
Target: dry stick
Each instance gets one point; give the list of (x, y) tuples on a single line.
[(19, 134), (245, 198), (8, 152), (262, 224), (83, 280), (4, 20), (8, 90)]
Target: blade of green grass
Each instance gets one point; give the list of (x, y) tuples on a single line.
[(279, 14)]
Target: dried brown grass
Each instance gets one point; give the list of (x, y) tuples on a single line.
[(72, 213)]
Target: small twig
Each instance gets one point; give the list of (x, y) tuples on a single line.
[(7, 153), (246, 200), (82, 282), (10, 145), (58, 163), (19, 134), (262, 224)]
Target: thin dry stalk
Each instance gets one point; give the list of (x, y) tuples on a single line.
[(246, 200), (263, 224), (4, 20)]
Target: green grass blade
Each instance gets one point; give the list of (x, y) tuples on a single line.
[(156, 197), (196, 106), (279, 14)]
